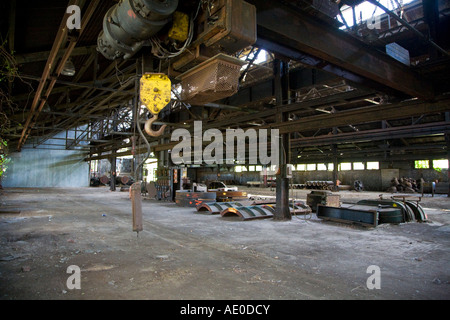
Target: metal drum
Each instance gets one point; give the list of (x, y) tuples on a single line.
[(129, 23)]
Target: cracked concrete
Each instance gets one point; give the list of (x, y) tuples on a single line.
[(183, 255)]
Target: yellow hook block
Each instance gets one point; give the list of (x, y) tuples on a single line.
[(155, 91)]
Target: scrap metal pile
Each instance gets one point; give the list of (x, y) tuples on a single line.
[(237, 204), (319, 185), (185, 198), (326, 205), (371, 213), (250, 210), (405, 185)]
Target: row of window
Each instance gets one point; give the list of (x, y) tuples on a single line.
[(425, 164), (318, 167), (345, 166), (248, 168)]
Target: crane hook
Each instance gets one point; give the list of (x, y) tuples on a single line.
[(148, 127)]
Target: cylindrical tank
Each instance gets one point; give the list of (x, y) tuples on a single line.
[(104, 179), (129, 23)]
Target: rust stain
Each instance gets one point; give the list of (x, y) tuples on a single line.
[(132, 14)]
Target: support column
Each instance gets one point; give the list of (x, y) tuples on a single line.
[(335, 163), (447, 139), (112, 183), (431, 15), (282, 211), (335, 168)]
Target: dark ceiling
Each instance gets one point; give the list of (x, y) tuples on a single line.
[(321, 84)]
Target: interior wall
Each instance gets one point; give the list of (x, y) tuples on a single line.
[(40, 168), (371, 179)]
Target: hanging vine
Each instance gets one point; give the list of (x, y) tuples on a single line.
[(8, 72)]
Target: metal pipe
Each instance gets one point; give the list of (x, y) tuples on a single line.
[(128, 24), (410, 27)]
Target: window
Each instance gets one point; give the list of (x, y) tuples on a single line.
[(258, 168), (150, 167), (345, 166), (358, 166), (373, 165), (94, 166), (366, 10), (330, 166), (262, 57), (440, 164), (301, 167), (238, 169), (311, 167), (251, 168), (321, 166), (421, 164)]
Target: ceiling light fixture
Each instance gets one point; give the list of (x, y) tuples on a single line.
[(69, 69)]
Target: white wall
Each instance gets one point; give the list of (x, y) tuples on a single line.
[(45, 167)]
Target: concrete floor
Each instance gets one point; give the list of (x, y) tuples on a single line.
[(183, 255)]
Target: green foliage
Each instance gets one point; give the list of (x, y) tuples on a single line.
[(421, 164), (4, 159), (8, 65), (8, 72)]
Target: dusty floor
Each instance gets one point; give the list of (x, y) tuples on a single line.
[(184, 255)]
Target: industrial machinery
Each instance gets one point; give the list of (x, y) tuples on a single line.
[(197, 42), (326, 198), (155, 95), (166, 183), (195, 45), (130, 23), (372, 212)]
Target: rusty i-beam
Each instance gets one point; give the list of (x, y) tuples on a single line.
[(60, 37)]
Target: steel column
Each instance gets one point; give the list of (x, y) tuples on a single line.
[(282, 211)]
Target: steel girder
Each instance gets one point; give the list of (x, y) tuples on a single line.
[(363, 115), (283, 25)]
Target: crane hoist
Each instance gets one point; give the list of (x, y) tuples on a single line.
[(199, 40)]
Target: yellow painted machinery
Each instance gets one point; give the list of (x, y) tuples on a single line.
[(155, 93)]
